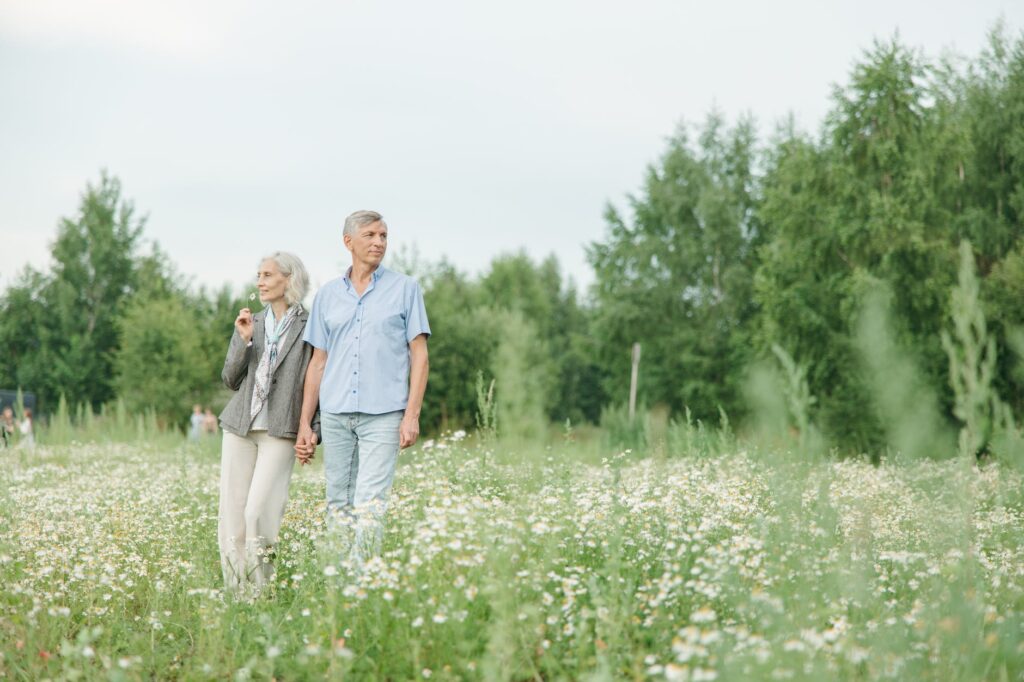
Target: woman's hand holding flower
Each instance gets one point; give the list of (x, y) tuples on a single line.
[(243, 323)]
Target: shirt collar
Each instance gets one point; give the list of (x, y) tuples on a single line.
[(377, 274)]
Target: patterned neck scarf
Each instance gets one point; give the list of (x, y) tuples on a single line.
[(274, 332)]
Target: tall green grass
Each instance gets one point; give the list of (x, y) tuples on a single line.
[(113, 423)]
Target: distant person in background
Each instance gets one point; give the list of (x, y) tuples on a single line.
[(27, 429), (195, 423), (7, 427), (265, 367), (209, 422)]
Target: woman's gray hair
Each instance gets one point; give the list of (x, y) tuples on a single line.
[(360, 218), (298, 279)]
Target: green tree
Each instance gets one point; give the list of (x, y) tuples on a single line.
[(468, 319), (679, 278), (463, 337), (60, 330), (990, 98), (160, 364), (569, 378), (1005, 310), (993, 178), (873, 202), (214, 312), (25, 336), (515, 284), (519, 368), (579, 392)]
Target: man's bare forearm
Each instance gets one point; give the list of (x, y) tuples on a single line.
[(419, 368), (311, 386)]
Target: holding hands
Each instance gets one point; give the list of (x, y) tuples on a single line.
[(305, 444)]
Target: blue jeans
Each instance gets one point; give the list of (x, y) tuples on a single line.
[(360, 453)]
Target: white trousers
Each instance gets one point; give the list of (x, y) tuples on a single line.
[(254, 474)]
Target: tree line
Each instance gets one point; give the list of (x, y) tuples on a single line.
[(735, 253), (736, 248)]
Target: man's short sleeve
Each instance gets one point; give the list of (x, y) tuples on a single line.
[(416, 318), (317, 334)]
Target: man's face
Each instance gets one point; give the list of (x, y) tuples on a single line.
[(368, 244), (8, 414)]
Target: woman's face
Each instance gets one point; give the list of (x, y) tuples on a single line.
[(270, 282)]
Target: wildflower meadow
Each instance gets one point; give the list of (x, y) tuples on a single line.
[(554, 563), (726, 340)]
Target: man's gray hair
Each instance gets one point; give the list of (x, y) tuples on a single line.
[(298, 279), (361, 218)]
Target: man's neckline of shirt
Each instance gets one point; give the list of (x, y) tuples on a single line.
[(351, 286)]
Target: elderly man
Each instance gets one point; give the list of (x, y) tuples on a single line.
[(369, 333)]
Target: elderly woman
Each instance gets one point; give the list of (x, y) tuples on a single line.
[(265, 366)]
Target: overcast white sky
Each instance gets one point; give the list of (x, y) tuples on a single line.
[(475, 127)]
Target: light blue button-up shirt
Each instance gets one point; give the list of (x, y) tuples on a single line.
[(367, 341)]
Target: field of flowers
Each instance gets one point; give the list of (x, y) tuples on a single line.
[(549, 565)]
